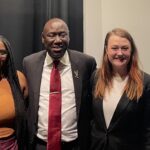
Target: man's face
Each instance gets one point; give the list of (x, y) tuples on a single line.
[(55, 38)]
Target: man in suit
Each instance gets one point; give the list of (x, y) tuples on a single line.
[(75, 70)]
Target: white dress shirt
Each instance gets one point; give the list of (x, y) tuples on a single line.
[(68, 109)]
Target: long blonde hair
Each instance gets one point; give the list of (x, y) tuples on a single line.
[(104, 75)]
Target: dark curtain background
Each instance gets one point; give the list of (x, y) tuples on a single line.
[(22, 21)]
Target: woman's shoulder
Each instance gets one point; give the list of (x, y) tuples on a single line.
[(21, 76), (146, 77), (147, 81), (96, 74), (23, 82)]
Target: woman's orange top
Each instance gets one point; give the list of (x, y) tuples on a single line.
[(7, 107)]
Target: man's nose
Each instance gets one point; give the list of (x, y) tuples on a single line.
[(58, 38)]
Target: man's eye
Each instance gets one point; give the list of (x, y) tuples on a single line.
[(51, 35), (63, 34)]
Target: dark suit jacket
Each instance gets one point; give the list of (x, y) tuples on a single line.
[(81, 63), (129, 128)]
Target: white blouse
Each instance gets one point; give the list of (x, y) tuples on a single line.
[(112, 97)]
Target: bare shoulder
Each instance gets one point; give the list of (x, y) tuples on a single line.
[(23, 83), (20, 74)]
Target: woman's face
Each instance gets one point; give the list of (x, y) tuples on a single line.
[(3, 52), (119, 52)]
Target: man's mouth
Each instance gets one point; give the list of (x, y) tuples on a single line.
[(57, 49)]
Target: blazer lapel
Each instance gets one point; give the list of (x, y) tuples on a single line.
[(77, 79), (121, 107), (100, 113)]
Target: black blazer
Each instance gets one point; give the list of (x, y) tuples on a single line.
[(129, 128), (82, 68)]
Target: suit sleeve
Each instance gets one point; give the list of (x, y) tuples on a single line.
[(146, 117)]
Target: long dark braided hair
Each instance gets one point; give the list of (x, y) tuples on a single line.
[(10, 73)]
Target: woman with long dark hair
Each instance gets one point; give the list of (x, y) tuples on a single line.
[(13, 92)]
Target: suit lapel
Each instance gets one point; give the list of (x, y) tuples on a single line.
[(37, 82), (77, 79), (121, 107)]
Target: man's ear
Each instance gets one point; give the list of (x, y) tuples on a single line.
[(42, 36)]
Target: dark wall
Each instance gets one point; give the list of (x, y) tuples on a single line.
[(16, 24), (21, 22), (75, 22)]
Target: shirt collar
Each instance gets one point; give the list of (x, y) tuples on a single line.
[(64, 60)]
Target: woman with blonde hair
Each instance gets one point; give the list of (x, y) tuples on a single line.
[(121, 97)]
